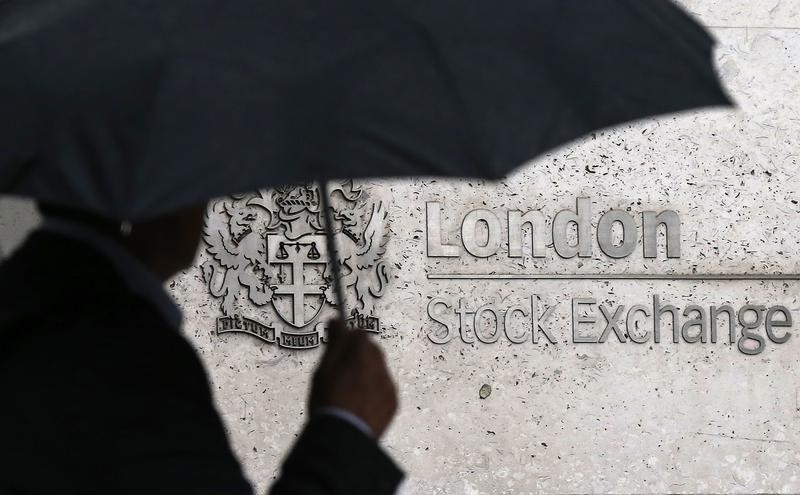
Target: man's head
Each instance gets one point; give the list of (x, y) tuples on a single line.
[(166, 244)]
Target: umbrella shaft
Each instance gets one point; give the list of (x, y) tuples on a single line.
[(332, 251)]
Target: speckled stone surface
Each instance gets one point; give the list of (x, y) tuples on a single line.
[(568, 417)]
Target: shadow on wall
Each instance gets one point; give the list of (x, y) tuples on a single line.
[(18, 218)]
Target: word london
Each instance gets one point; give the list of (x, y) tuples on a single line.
[(565, 221)]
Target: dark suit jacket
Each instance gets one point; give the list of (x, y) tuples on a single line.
[(99, 395)]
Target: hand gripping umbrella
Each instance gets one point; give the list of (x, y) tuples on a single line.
[(130, 109)]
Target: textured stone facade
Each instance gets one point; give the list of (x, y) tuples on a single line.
[(503, 417)]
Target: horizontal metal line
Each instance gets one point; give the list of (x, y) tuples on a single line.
[(614, 276), (788, 28)]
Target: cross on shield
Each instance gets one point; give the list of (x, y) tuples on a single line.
[(298, 257)]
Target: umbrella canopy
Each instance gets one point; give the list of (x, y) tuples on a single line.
[(133, 108)]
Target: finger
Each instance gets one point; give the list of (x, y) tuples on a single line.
[(347, 347), (374, 352), (336, 330), (336, 342), (374, 346), (353, 346)]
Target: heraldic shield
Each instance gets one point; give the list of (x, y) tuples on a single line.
[(298, 268), (267, 261)]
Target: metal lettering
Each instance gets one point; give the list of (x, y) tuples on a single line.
[(469, 228), (510, 312), (747, 326), (604, 231), (771, 323), (715, 312), (562, 221), (462, 319), (537, 320), (612, 323), (658, 310), (578, 318), (433, 335), (631, 323), (672, 224), (699, 321), (433, 225), (516, 222), (476, 323)]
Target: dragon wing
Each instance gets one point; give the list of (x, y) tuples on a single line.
[(376, 235), (219, 245)]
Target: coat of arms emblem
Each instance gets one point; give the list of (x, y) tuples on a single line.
[(269, 265)]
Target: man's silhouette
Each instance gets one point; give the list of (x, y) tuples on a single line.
[(101, 394)]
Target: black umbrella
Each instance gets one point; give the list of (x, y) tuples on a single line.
[(133, 108)]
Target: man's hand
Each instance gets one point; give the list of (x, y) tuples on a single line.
[(352, 376)]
